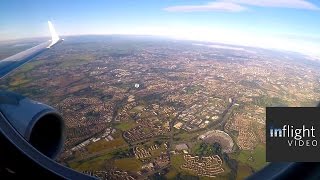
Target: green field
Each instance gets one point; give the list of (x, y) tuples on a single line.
[(255, 159), (30, 66), (126, 125), (19, 80), (186, 136), (104, 145), (176, 163), (172, 173), (93, 164), (157, 152), (128, 164), (76, 60), (243, 171)]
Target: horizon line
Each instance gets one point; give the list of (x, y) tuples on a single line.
[(166, 37)]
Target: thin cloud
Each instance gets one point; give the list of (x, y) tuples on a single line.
[(213, 6), (242, 5), (295, 4)]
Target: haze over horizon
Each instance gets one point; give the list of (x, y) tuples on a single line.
[(278, 24)]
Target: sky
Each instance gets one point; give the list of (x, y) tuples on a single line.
[(278, 24)]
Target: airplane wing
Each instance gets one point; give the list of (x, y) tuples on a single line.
[(11, 63), (31, 133)]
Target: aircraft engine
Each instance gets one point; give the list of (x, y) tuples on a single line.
[(41, 125)]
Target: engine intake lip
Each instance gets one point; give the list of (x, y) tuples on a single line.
[(46, 133)]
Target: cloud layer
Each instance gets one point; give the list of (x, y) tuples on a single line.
[(214, 6), (296, 4), (242, 5)]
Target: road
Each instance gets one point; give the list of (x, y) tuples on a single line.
[(219, 124)]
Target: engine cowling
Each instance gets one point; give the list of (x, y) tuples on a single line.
[(41, 125)]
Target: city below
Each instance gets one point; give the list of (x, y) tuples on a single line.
[(139, 107)]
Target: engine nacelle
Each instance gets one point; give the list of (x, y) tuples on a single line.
[(41, 125)]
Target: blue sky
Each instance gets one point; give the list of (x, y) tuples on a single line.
[(280, 24)]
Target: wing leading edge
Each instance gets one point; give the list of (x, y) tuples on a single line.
[(11, 63)]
